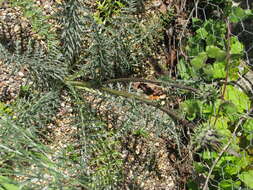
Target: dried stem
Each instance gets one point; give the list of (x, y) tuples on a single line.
[(173, 115), (174, 85)]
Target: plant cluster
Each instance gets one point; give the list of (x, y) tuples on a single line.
[(216, 60)]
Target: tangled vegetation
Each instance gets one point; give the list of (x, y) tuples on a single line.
[(146, 95)]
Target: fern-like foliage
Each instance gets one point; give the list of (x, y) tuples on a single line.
[(72, 21), (92, 52)]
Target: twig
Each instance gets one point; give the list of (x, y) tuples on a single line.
[(172, 114)]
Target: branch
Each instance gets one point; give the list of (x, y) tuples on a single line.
[(180, 86), (228, 57), (89, 86)]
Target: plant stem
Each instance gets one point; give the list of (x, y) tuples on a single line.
[(228, 56), (174, 85), (227, 59), (173, 115)]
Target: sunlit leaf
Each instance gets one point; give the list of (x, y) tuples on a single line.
[(247, 177), (215, 52), (198, 61), (238, 98), (236, 46), (228, 108), (228, 184), (219, 70), (7, 184), (202, 33)]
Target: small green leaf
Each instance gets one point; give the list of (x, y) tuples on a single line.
[(247, 177), (198, 61), (233, 73), (248, 129), (141, 132), (221, 125), (7, 184), (228, 184), (215, 52), (236, 46), (232, 169), (238, 14), (29, 13), (219, 70), (208, 70), (192, 108), (228, 108), (202, 33), (248, 125), (183, 70), (194, 20), (199, 167), (207, 155), (244, 161)]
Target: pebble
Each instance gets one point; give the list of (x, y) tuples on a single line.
[(21, 74)]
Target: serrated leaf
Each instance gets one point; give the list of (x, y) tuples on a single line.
[(233, 73), (248, 125), (198, 61), (228, 108), (192, 108), (232, 169), (207, 155), (237, 97), (208, 70), (247, 177), (248, 128), (228, 184), (221, 125), (236, 46), (202, 33), (215, 52), (219, 70), (244, 161)]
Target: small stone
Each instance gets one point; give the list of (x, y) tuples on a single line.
[(21, 74), (11, 80), (16, 28), (12, 94)]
